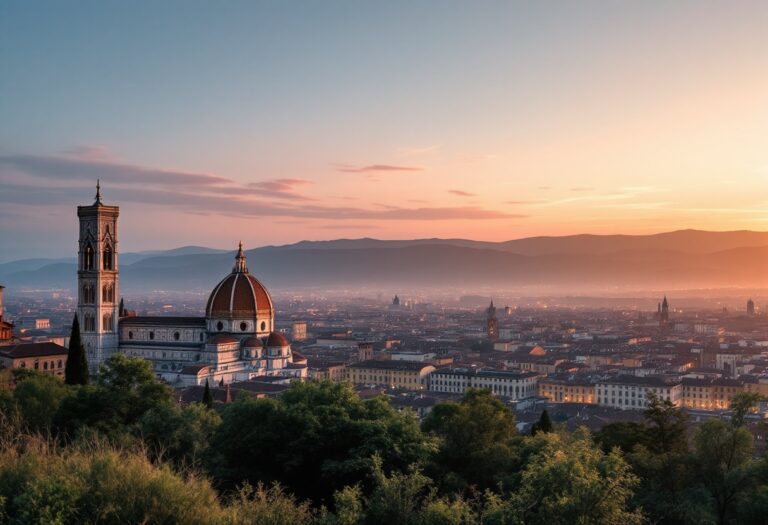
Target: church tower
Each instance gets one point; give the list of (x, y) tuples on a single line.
[(664, 313), (492, 323), (97, 279)]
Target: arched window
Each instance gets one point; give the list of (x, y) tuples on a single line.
[(107, 257), (106, 322), (176, 336), (88, 323), (88, 261)]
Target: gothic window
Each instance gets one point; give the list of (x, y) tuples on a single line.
[(108, 293), (176, 336), (89, 323), (152, 336), (107, 257), (88, 256), (106, 322), (88, 294)]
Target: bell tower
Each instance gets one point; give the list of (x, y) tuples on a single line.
[(97, 280)]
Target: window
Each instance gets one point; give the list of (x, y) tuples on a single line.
[(243, 326), (107, 257), (106, 322), (151, 336), (263, 326), (45, 365), (176, 336), (59, 363), (130, 335), (201, 336), (88, 257), (219, 326)]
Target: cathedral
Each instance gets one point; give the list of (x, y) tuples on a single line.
[(235, 341)]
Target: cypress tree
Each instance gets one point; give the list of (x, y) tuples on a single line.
[(76, 371), (121, 309), (207, 395), (544, 424)]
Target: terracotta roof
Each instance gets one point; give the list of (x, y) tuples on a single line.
[(21, 350), (239, 294), (194, 370), (220, 339), (277, 339), (253, 342)]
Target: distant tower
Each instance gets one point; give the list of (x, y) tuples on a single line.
[(97, 279), (750, 307), (664, 313), (492, 323), (396, 301)]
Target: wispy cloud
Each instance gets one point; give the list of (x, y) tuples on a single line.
[(69, 169), (462, 193), (375, 168), (515, 203), (582, 188)]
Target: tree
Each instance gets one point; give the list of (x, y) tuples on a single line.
[(721, 457), (38, 397), (544, 424), (667, 431), (125, 391), (476, 442), (179, 434), (121, 309), (207, 395), (742, 404), (316, 438), (623, 434), (572, 481), (76, 369)]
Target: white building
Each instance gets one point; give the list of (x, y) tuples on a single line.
[(632, 392), (516, 384), (234, 341)]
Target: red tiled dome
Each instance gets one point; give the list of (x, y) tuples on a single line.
[(240, 295), (252, 342), (277, 339)]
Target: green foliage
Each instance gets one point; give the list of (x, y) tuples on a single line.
[(477, 442), (76, 369), (668, 425), (626, 435), (37, 398), (125, 391), (571, 481), (742, 404), (267, 506), (544, 424), (207, 396), (722, 460), (316, 438), (178, 434)]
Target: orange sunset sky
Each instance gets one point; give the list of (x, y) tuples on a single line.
[(277, 122)]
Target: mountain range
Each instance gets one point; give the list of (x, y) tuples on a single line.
[(679, 259)]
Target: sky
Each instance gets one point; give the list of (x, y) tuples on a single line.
[(274, 122)]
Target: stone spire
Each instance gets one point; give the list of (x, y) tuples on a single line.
[(240, 266), (98, 192)]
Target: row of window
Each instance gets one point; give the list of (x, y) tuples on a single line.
[(46, 365), (89, 322), (88, 293), (89, 258)]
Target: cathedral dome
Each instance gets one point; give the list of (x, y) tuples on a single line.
[(241, 299), (277, 339)]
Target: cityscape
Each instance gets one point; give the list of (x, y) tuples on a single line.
[(222, 302)]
